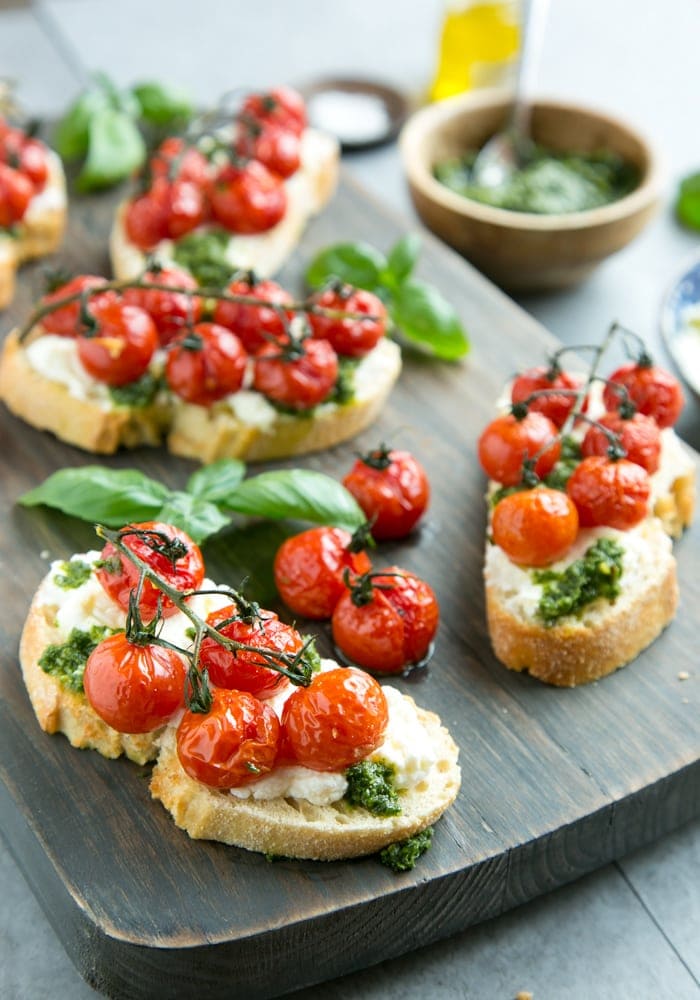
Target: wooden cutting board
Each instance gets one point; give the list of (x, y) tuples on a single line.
[(555, 782)]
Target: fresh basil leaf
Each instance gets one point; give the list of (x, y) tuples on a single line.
[(95, 493), (199, 518), (217, 481), (688, 201), (296, 493), (402, 260), (72, 132), (162, 104), (427, 319), (115, 149), (358, 264)]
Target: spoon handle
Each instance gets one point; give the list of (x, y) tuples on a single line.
[(533, 21)]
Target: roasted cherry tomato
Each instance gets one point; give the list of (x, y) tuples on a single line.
[(187, 208), (134, 688), (146, 216), (234, 743), (392, 489), (386, 621), (352, 337), (65, 322), (283, 107), (167, 550), (248, 199), (509, 440), (244, 670), (556, 407), (25, 154), (309, 570), (254, 324), (339, 719), (16, 191), (170, 311), (121, 347), (654, 391), (299, 378), (639, 436), (277, 148), (173, 159), (535, 527), (205, 364), (610, 492)]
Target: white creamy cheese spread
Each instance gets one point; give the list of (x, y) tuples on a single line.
[(53, 196)]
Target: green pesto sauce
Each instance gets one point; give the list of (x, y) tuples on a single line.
[(371, 786), (556, 480), (203, 253), (402, 856), (72, 574), (140, 393), (596, 574), (66, 660), (550, 184)]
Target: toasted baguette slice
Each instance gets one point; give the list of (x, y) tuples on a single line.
[(198, 432), (605, 636), (39, 233), (295, 828), (59, 710), (308, 191)]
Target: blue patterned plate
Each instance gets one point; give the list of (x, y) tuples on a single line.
[(680, 322)]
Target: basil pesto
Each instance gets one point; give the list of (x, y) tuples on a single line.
[(550, 183), (371, 786), (66, 660), (596, 574), (72, 574), (142, 392), (402, 856), (203, 253)]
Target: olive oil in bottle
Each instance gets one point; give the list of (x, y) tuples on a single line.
[(478, 45)]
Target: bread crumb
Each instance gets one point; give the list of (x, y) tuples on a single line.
[(683, 675), (523, 995)]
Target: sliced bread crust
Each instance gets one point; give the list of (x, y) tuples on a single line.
[(295, 828)]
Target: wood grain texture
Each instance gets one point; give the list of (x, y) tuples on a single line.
[(556, 783)]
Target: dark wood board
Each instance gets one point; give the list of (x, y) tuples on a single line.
[(555, 782)]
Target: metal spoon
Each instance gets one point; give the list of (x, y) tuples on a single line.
[(510, 149)]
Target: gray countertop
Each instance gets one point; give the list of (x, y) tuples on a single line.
[(631, 929)]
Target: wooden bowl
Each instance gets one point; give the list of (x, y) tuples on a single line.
[(520, 250)]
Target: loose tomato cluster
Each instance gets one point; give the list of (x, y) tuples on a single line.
[(239, 184), (619, 450), (24, 170), (383, 621), (136, 685), (252, 339)]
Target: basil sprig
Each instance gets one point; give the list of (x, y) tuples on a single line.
[(115, 497), (418, 310), (688, 201), (103, 128)]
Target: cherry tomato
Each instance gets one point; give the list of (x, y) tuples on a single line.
[(25, 154), (298, 381), (654, 391), (234, 743), (181, 566), (121, 348), (16, 191), (389, 624), (174, 159), (507, 441), (535, 527), (170, 311), (638, 435), (353, 337), (133, 688), (277, 148), (610, 492), (556, 407), (392, 489), (339, 719), (146, 216), (254, 324), (247, 671), (205, 364), (187, 208), (248, 199), (309, 570), (281, 106), (65, 322)]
